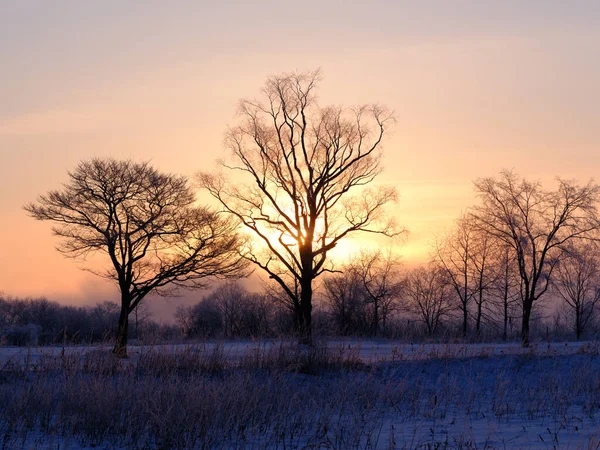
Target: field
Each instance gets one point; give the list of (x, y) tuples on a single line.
[(338, 395)]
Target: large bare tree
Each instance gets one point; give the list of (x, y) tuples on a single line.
[(536, 224), (305, 169), (147, 224)]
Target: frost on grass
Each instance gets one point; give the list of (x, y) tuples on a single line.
[(276, 395)]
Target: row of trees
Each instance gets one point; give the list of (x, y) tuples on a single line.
[(537, 232), (375, 295), (417, 303), (490, 283), (231, 311), (504, 255), (455, 294), (303, 182), (40, 321)]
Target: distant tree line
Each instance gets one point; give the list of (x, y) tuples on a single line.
[(231, 311), (38, 321)]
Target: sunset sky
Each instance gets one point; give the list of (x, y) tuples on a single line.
[(477, 86)]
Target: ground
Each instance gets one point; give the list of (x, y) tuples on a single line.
[(344, 394)]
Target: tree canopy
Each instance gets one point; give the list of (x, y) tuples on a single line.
[(147, 223)]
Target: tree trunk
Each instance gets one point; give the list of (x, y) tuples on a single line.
[(578, 322), (505, 333), (527, 304), (137, 333), (480, 303), (465, 325), (506, 286), (304, 323), (478, 325), (120, 348), (375, 324)]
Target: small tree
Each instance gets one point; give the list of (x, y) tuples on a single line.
[(505, 290), (146, 222), (229, 300), (344, 296), (483, 273), (454, 255), (303, 163), (379, 275), (427, 294), (535, 223), (142, 315), (577, 282)]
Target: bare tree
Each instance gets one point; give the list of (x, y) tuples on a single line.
[(364, 294), (535, 223), (303, 163), (379, 274), (345, 297), (427, 294), (505, 291), (229, 299), (483, 273), (141, 314), (453, 253), (184, 320), (146, 222), (577, 282)]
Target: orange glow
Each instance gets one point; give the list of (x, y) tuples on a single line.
[(475, 90)]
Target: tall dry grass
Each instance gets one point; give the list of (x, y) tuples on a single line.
[(289, 397)]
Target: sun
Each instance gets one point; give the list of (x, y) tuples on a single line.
[(344, 252)]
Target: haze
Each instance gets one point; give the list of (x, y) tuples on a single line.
[(477, 86)]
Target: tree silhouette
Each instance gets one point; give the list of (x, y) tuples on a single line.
[(344, 295), (427, 294), (303, 164), (535, 224), (365, 293), (453, 254), (146, 222), (379, 274), (577, 282)]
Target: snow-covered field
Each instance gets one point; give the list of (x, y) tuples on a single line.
[(368, 350), (357, 394)]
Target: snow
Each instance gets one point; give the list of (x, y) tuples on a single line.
[(496, 395), (368, 351)]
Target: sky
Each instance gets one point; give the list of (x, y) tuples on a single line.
[(476, 86)]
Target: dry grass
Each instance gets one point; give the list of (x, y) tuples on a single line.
[(188, 399), (290, 397)]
